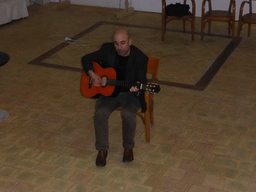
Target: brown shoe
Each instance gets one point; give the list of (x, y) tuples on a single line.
[(128, 155), (101, 158)]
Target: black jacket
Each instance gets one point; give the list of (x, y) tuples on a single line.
[(136, 69)]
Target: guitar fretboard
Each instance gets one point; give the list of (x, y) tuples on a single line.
[(119, 83)]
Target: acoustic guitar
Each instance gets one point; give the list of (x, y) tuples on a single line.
[(109, 82)]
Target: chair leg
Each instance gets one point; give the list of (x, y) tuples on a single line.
[(184, 26), (152, 122), (151, 110), (147, 117), (249, 29), (239, 28), (202, 28), (193, 28), (229, 26), (233, 28), (209, 27), (163, 29), (147, 125)]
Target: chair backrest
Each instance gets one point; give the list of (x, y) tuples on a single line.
[(153, 66), (250, 6), (231, 4), (164, 3)]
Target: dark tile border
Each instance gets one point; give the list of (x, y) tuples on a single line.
[(204, 81), (201, 84)]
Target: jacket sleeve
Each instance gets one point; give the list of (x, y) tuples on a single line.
[(142, 78), (97, 56), (142, 68)]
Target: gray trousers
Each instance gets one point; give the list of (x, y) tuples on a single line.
[(104, 107)]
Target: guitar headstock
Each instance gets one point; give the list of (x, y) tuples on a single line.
[(152, 88)]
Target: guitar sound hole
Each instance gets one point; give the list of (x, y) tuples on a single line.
[(104, 81)]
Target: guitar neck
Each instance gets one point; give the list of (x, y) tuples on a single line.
[(119, 83), (149, 87)]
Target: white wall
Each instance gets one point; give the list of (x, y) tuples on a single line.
[(156, 5), (101, 3)]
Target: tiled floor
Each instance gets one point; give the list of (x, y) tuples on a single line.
[(202, 141)]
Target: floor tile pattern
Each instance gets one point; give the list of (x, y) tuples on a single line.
[(202, 141)]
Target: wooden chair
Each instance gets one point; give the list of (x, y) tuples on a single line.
[(148, 116), (190, 18), (218, 15), (249, 18)]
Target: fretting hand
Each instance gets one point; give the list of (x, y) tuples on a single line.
[(134, 88)]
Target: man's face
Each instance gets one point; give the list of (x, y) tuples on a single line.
[(122, 43)]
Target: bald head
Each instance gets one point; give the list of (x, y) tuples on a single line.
[(121, 32), (122, 42)]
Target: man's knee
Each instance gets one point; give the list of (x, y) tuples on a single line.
[(130, 114), (102, 113)]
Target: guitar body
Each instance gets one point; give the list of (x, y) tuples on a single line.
[(89, 90)]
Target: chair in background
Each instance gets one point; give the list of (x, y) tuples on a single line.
[(218, 15), (249, 18), (148, 116), (190, 18)]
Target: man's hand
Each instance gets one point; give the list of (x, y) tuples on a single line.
[(134, 89), (96, 80)]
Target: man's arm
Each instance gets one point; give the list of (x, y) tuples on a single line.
[(141, 72), (87, 61), (142, 68), (96, 80), (97, 56)]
